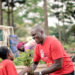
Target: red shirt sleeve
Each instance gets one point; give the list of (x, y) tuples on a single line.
[(57, 49), (1, 69), (10, 68), (36, 57)]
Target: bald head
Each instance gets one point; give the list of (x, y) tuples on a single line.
[(38, 28), (38, 34)]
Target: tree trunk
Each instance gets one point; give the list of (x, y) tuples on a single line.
[(1, 15), (8, 21), (63, 27), (12, 17), (59, 31), (45, 17), (64, 32)]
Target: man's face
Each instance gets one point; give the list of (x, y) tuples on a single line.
[(37, 36)]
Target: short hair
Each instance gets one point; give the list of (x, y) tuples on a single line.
[(38, 28), (3, 52)]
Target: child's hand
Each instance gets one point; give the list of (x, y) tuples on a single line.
[(25, 70), (28, 69)]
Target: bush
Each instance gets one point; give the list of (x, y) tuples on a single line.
[(19, 60), (25, 59)]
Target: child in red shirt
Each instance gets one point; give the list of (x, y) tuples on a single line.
[(6, 66)]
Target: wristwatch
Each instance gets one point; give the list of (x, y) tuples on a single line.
[(40, 73)]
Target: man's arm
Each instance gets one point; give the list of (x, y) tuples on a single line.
[(34, 66), (56, 66), (29, 69)]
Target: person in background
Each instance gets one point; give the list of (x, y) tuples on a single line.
[(6, 66), (22, 46), (50, 50), (13, 41)]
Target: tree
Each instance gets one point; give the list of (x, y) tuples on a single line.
[(11, 5), (1, 13), (45, 17), (72, 30), (66, 15)]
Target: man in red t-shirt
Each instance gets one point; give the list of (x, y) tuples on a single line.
[(51, 51)]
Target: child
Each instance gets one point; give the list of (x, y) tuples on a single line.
[(6, 66)]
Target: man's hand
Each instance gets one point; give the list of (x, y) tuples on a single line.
[(31, 72), (35, 73)]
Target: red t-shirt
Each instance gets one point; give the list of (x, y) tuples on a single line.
[(51, 50), (7, 68), (1, 69)]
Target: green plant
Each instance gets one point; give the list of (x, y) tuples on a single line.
[(25, 59), (19, 60), (28, 58)]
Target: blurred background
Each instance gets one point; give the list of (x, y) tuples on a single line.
[(57, 17)]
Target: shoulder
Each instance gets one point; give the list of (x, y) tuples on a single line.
[(52, 39), (7, 61)]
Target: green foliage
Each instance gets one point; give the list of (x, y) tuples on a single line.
[(32, 6), (53, 31), (69, 33), (19, 60), (72, 30), (28, 59), (66, 13), (21, 31), (65, 46), (25, 59)]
